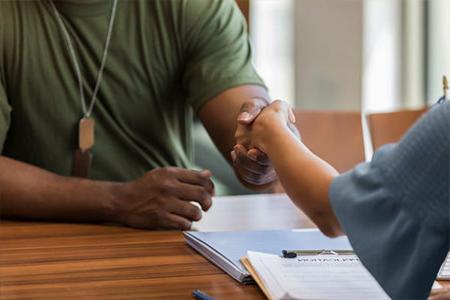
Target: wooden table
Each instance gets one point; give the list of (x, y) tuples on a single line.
[(80, 261)]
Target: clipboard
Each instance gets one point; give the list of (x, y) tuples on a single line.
[(318, 274)]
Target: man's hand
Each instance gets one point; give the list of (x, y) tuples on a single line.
[(161, 199), (252, 165)]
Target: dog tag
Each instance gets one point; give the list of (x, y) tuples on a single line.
[(81, 163), (86, 128)]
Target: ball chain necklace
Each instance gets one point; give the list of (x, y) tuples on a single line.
[(82, 158)]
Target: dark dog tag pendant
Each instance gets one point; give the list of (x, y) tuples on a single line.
[(81, 163)]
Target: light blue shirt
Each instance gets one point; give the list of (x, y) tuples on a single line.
[(395, 209)]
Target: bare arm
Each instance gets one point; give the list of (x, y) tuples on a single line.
[(305, 177), (220, 115), (27, 192), (159, 199)]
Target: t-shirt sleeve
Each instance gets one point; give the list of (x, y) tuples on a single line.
[(218, 50), (5, 114), (395, 209)]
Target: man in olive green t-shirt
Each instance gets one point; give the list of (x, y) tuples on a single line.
[(165, 61)]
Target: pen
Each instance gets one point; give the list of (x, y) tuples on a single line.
[(199, 295), (295, 253)]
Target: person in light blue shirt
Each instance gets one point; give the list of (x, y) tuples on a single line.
[(395, 209)]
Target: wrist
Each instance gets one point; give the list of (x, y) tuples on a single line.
[(268, 129), (110, 202)]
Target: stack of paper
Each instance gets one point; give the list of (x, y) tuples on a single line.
[(313, 277)]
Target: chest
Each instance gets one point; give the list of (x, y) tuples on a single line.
[(142, 74)]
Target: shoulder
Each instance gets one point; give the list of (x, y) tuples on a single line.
[(189, 13), (200, 13), (192, 8), (197, 8)]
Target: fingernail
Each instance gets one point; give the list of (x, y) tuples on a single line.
[(244, 116), (206, 173), (233, 155)]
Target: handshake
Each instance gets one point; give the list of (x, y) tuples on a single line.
[(258, 122)]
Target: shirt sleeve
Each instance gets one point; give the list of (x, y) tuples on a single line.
[(218, 50), (5, 115), (395, 209)]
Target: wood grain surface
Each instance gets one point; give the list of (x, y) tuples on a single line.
[(82, 261), (73, 261)]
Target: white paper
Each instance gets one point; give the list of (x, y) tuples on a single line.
[(316, 277)]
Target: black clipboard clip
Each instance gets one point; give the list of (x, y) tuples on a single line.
[(295, 253)]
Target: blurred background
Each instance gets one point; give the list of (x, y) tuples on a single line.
[(343, 55), (352, 54)]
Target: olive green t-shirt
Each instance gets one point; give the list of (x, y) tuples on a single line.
[(166, 59)]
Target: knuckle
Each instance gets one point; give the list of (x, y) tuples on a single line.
[(169, 170), (161, 172), (206, 183), (201, 177), (161, 216), (277, 102), (167, 186), (251, 177), (196, 213), (185, 225), (278, 105), (199, 193), (261, 169)]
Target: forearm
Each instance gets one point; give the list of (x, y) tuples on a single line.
[(27, 192), (219, 116), (305, 177)]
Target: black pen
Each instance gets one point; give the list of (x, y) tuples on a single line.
[(199, 295)]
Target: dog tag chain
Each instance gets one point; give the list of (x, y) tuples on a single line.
[(82, 158)]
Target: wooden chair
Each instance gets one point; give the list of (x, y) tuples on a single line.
[(336, 137), (389, 127)]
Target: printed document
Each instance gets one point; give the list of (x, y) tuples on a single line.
[(314, 277)]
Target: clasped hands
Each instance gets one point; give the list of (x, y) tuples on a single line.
[(250, 160)]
